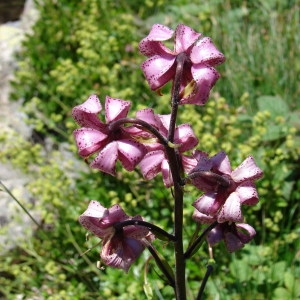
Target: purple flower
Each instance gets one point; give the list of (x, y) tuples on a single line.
[(120, 247), (235, 235), (95, 136), (155, 161), (198, 77), (225, 201)]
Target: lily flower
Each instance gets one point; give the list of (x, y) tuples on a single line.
[(95, 136), (235, 235), (121, 246), (199, 75), (226, 201), (155, 161)]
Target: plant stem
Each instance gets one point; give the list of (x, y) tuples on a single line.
[(180, 288), (209, 270)]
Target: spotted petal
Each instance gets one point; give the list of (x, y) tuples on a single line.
[(115, 109), (151, 164), (206, 52), (231, 210), (247, 170), (89, 140), (86, 113), (185, 37)]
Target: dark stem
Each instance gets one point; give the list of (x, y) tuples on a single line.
[(153, 228), (116, 125), (175, 98), (209, 270), (199, 240), (180, 289)]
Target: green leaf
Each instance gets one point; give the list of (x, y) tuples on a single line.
[(277, 271), (274, 104), (289, 281), (281, 293)]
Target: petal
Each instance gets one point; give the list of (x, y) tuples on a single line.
[(151, 44), (206, 52), (202, 218), (151, 163), (148, 116), (115, 214), (232, 242), (89, 140), (130, 153), (91, 218), (247, 170), (120, 252), (115, 109), (231, 210), (86, 113), (245, 232), (135, 231), (184, 38), (247, 193), (221, 163), (205, 203), (216, 235), (166, 173), (188, 163), (205, 78), (159, 70), (185, 136), (106, 159)]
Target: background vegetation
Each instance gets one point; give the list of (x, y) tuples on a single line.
[(89, 46)]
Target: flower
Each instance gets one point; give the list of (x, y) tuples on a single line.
[(198, 77), (155, 160), (121, 245), (96, 136), (235, 235), (226, 201)]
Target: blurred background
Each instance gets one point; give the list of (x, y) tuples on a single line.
[(54, 54)]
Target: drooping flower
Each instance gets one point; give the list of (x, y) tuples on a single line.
[(95, 136), (120, 246), (199, 74), (225, 201), (156, 161), (235, 235)]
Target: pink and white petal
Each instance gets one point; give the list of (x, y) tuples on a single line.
[(116, 109), (159, 70), (232, 242), (247, 170), (185, 136), (205, 78), (86, 113), (151, 44), (245, 232), (185, 37), (166, 174), (164, 121), (130, 153), (89, 140), (247, 193), (205, 203), (221, 162), (105, 161), (188, 163), (231, 210), (202, 218), (148, 116), (91, 218), (151, 163), (206, 52)]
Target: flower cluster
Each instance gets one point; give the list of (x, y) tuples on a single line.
[(155, 144)]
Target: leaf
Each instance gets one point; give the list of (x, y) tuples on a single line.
[(289, 281), (274, 104), (148, 291), (277, 271), (281, 293)]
